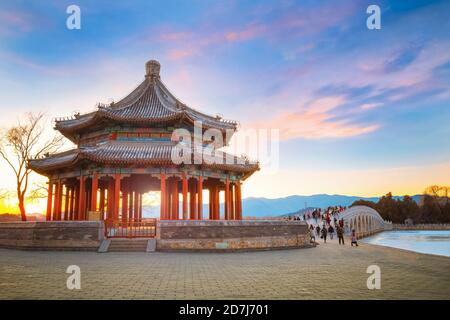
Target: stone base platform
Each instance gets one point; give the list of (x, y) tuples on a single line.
[(52, 235), (223, 236), (180, 235)]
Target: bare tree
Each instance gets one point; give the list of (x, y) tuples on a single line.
[(25, 140), (440, 195), (38, 191)]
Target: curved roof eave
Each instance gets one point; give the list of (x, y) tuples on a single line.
[(125, 154), (160, 101)]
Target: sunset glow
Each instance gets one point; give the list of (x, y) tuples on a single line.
[(359, 112)]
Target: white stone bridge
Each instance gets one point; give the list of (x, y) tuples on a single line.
[(364, 220)]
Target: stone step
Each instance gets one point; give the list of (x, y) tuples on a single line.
[(130, 245), (122, 249)]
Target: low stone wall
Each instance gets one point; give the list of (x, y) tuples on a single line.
[(424, 226), (54, 235), (231, 235)]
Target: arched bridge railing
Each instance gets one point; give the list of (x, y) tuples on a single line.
[(364, 220)]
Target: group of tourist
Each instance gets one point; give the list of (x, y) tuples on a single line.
[(318, 214), (327, 214), (325, 223), (329, 230)]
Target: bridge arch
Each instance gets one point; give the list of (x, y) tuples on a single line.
[(364, 220)]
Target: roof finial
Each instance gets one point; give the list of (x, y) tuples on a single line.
[(152, 68)]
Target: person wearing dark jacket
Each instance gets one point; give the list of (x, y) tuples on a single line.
[(331, 231), (324, 234), (340, 234), (354, 238)]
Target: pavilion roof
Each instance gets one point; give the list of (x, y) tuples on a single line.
[(126, 153), (150, 102)]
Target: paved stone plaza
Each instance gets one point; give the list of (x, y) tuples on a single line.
[(326, 272)]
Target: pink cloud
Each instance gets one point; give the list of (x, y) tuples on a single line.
[(314, 126), (31, 65), (12, 22), (296, 22), (314, 122), (368, 106), (178, 54), (314, 20), (174, 36), (248, 33), (325, 104)]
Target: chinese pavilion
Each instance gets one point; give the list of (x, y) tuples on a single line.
[(125, 149)]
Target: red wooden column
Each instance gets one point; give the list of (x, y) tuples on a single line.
[(88, 200), (238, 201), (163, 209), (140, 206), (59, 201), (200, 198), (169, 199), (102, 203), (232, 203), (130, 205), (125, 203), (175, 204), (76, 201), (48, 216), (81, 200), (211, 203), (184, 188), (72, 202), (94, 192), (66, 204), (227, 199), (55, 204), (116, 196), (192, 201), (217, 202), (110, 200), (136, 206)]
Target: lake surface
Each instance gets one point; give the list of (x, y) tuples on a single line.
[(423, 241)]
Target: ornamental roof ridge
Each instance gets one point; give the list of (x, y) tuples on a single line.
[(150, 102)]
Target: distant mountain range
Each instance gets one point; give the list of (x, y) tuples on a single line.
[(263, 207)]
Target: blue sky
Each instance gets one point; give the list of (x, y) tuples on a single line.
[(360, 111)]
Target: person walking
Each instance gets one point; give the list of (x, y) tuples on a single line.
[(340, 234), (312, 236), (324, 234), (354, 238), (318, 230), (331, 231)]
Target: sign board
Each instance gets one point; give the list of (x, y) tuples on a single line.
[(93, 215)]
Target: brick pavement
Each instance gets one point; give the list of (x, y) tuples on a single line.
[(326, 272)]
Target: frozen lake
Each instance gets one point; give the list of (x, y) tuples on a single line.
[(423, 241)]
